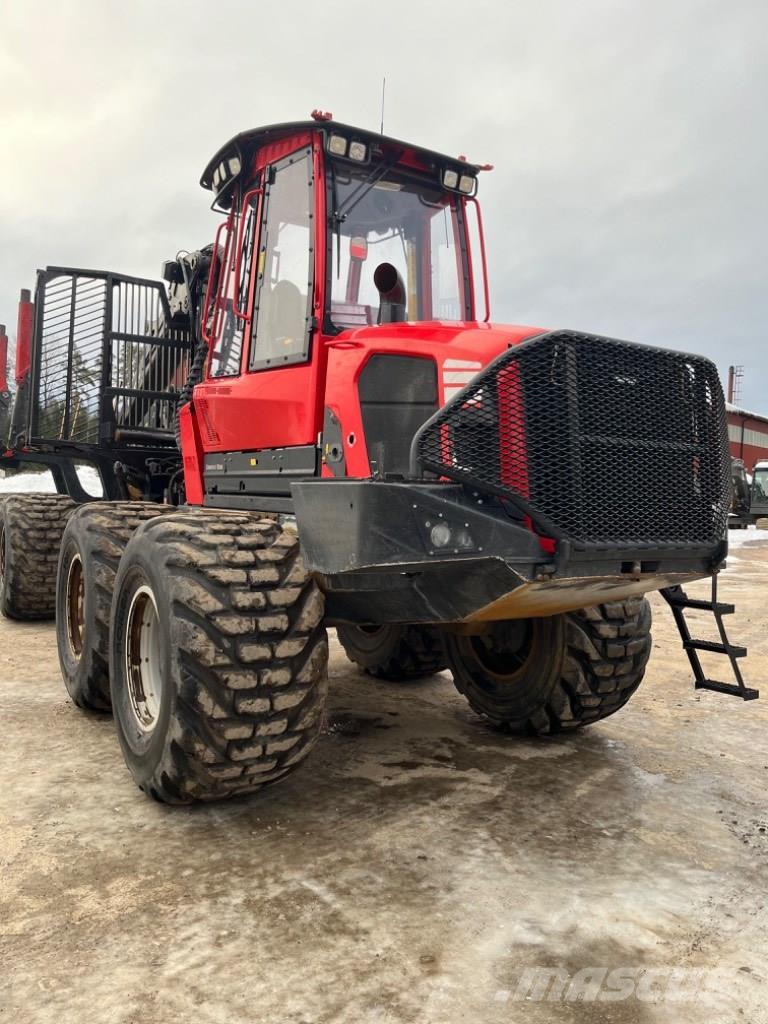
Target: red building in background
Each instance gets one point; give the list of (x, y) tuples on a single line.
[(748, 435)]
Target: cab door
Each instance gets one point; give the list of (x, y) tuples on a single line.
[(263, 378)]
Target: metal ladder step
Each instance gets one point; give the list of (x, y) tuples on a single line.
[(678, 601), (704, 606), (715, 647), (745, 692)]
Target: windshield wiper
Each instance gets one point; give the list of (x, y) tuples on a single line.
[(341, 213)]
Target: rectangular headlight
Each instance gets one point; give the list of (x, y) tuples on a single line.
[(466, 184), (220, 175), (450, 179), (337, 145), (358, 151)]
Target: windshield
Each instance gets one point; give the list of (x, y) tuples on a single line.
[(760, 483), (413, 227)]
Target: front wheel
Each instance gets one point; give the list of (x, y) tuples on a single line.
[(556, 673), (218, 655)]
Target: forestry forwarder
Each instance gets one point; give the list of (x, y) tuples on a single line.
[(488, 498)]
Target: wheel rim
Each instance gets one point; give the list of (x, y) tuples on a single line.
[(504, 651), (143, 660), (75, 611)]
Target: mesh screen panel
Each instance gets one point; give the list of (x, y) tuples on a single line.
[(149, 358), (69, 349), (603, 442), (106, 356)]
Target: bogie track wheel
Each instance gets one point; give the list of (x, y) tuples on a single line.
[(218, 655), (31, 529), (555, 673), (394, 652), (91, 548)]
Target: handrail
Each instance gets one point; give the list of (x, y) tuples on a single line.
[(481, 235), (208, 336), (258, 191)]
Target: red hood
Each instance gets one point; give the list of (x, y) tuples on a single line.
[(481, 341), (460, 349)]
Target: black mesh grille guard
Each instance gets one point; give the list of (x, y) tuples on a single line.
[(602, 442)]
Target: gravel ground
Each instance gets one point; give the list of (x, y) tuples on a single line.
[(409, 873)]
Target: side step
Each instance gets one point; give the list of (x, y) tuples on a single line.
[(715, 648), (678, 601), (694, 602)]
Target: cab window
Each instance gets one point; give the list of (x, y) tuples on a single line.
[(282, 310), (406, 223)]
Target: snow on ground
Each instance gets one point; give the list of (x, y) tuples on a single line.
[(738, 538), (27, 483)]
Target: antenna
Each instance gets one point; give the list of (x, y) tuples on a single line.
[(383, 91)]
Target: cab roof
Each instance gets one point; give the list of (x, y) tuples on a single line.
[(244, 146)]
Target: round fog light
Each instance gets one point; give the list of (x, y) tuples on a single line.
[(440, 535)]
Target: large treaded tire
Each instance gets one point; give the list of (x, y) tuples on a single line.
[(31, 528), (583, 667), (233, 697), (392, 652), (91, 548)]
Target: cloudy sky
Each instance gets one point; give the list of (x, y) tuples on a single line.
[(630, 141)]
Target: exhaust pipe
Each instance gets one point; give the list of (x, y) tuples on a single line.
[(391, 290)]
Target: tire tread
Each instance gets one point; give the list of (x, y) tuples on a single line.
[(34, 526), (103, 529), (234, 730)]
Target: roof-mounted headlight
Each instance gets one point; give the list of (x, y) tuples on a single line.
[(347, 149), (358, 151), (337, 145), (456, 180), (225, 172)]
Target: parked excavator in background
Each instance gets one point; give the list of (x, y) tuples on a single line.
[(750, 495)]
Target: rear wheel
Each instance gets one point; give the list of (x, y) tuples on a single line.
[(556, 673), (91, 549), (31, 528), (394, 652), (218, 655)]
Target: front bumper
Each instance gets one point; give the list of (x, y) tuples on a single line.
[(371, 546)]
